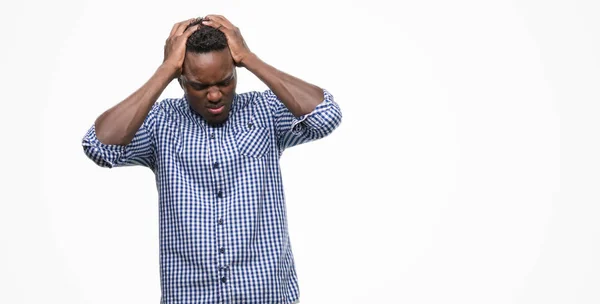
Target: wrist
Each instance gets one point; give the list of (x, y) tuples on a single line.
[(249, 61), (169, 70)]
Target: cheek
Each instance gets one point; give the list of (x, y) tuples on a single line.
[(229, 90), (196, 96), (196, 100)]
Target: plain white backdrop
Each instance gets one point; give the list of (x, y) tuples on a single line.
[(466, 168)]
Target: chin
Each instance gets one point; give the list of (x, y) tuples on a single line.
[(218, 121)]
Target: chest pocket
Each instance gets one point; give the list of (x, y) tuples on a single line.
[(253, 141)]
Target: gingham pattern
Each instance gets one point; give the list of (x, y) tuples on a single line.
[(222, 214)]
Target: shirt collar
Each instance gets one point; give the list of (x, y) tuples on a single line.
[(235, 104)]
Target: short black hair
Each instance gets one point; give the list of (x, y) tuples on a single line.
[(205, 39)]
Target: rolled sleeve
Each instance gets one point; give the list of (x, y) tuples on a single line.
[(103, 155), (292, 131), (140, 151)]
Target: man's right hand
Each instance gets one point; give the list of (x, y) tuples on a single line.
[(175, 45)]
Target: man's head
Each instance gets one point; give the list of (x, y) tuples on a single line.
[(209, 77)]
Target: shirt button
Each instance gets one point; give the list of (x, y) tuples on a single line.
[(223, 279), (221, 250), (250, 126), (212, 135), (216, 165), (220, 221), (220, 194)]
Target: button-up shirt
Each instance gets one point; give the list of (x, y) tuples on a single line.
[(222, 216)]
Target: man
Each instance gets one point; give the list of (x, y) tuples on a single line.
[(215, 154)]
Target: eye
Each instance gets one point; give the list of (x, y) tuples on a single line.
[(225, 83), (198, 87)]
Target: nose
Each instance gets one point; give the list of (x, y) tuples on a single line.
[(214, 94)]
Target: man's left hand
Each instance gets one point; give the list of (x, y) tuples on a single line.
[(237, 46)]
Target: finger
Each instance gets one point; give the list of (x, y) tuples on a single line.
[(175, 26), (217, 26), (220, 20), (226, 22), (218, 17), (173, 29), (211, 23), (190, 31), (180, 27)]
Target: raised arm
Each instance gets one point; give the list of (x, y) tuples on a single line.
[(119, 124), (299, 96), (302, 112)]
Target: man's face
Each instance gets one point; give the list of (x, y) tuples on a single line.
[(209, 82)]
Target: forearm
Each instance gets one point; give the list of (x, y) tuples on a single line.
[(298, 96), (118, 125)]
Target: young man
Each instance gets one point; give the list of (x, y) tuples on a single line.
[(215, 154)]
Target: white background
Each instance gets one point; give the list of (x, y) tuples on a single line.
[(465, 170)]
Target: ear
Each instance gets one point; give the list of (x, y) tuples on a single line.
[(235, 64), (180, 77)]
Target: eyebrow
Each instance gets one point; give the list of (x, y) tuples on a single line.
[(202, 84)]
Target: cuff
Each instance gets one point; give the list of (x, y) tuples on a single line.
[(103, 154), (299, 124)]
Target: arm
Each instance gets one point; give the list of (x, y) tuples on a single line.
[(123, 135), (293, 130), (302, 112), (118, 125), (298, 96)]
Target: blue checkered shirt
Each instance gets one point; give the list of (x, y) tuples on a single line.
[(222, 214)]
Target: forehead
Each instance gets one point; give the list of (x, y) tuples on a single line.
[(208, 67)]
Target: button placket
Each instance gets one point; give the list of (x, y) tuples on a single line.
[(216, 168)]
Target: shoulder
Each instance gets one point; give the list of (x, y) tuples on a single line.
[(170, 108), (246, 99), (252, 99), (252, 106)]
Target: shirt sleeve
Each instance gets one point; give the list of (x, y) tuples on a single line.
[(140, 151), (292, 130)]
